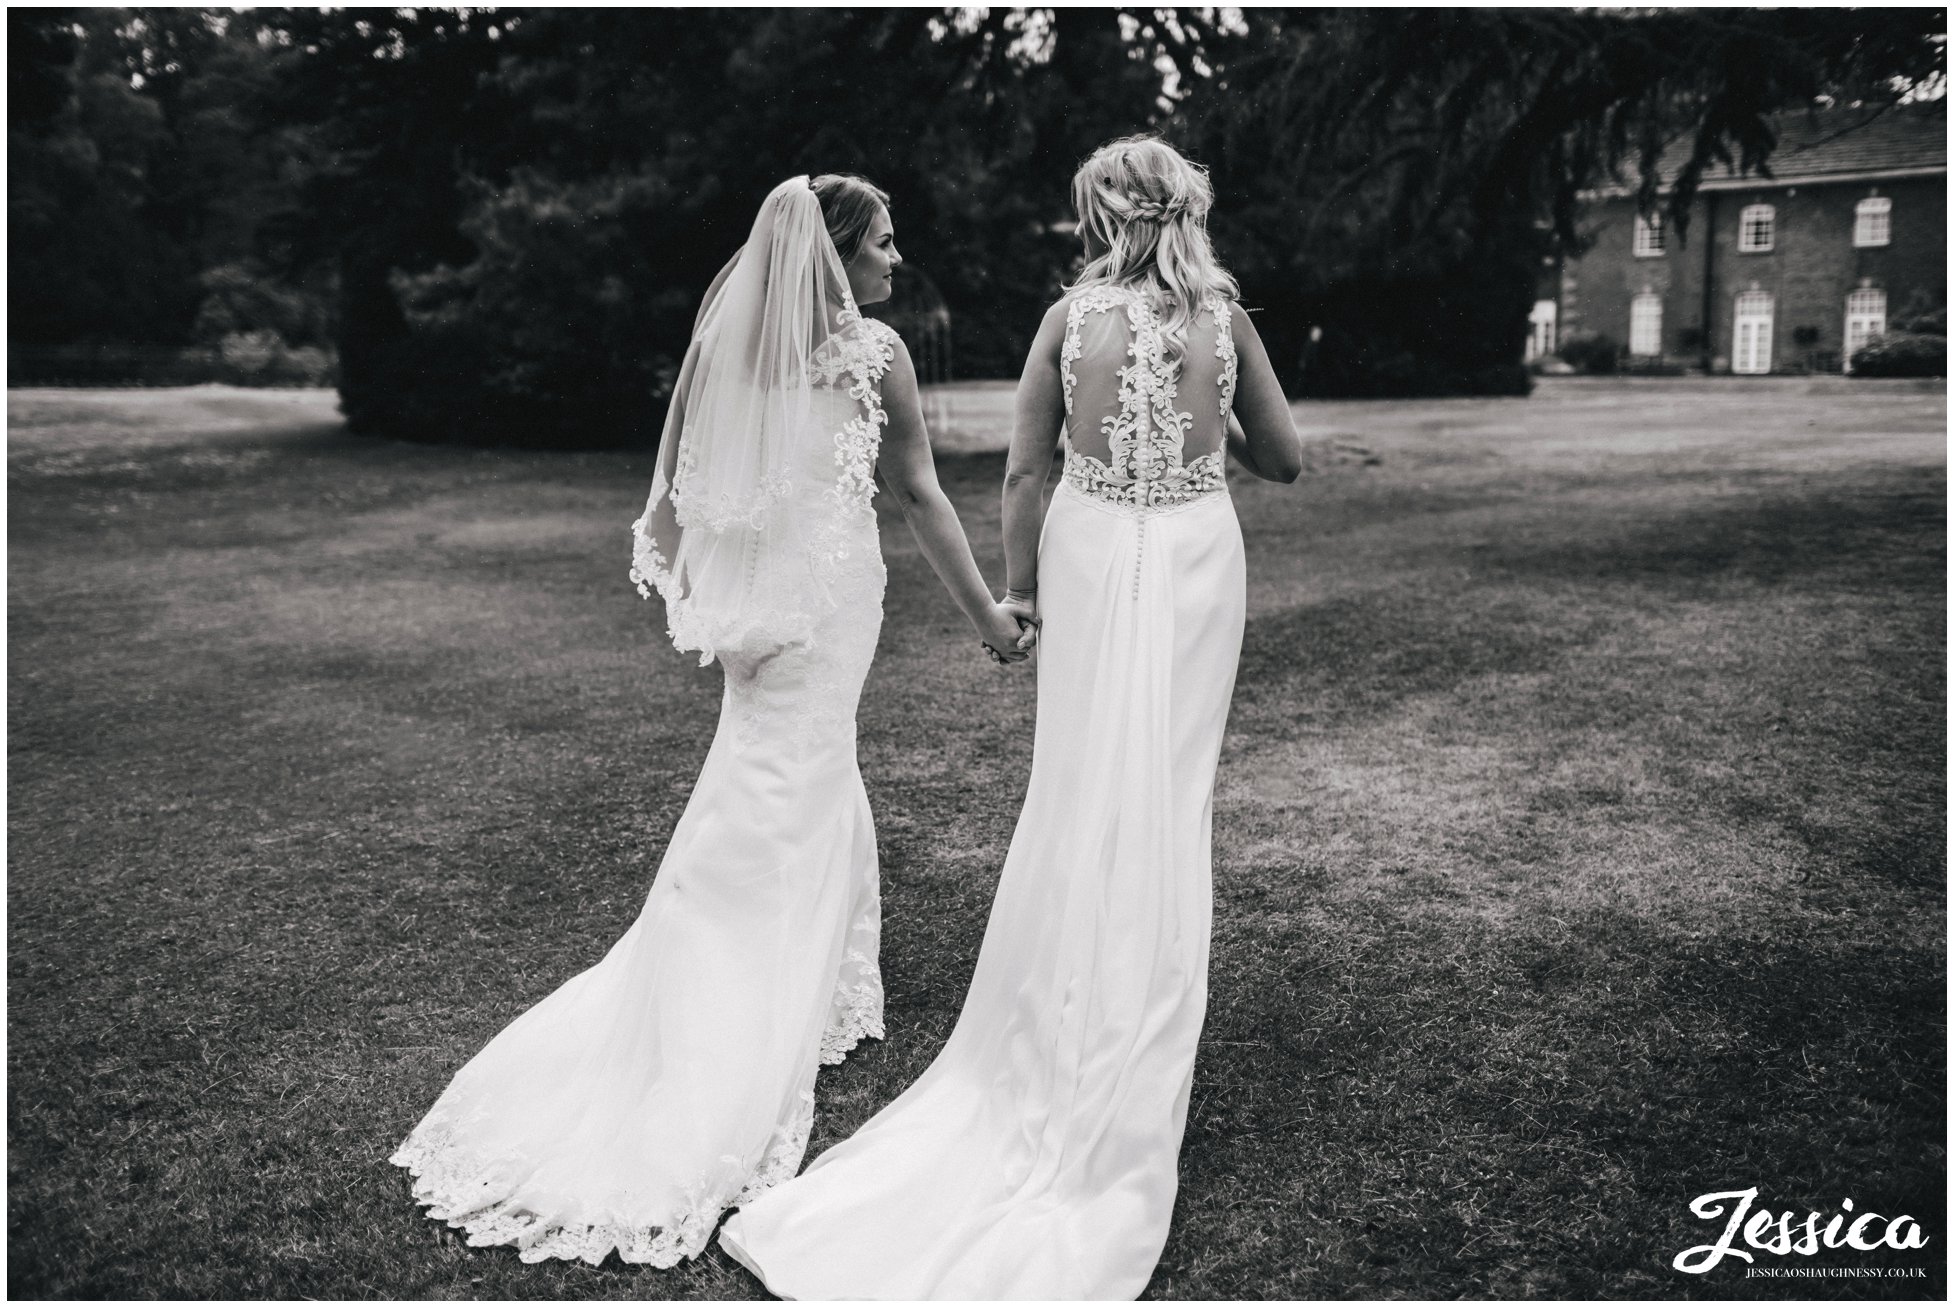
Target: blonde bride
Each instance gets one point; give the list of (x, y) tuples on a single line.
[(1036, 1157)]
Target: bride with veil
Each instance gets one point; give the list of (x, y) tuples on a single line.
[(675, 1078), (1036, 1157)]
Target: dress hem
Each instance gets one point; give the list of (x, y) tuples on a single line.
[(441, 1184)]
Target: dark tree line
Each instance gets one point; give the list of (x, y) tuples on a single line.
[(601, 166), (504, 219), (150, 198)]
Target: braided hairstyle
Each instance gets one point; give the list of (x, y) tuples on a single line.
[(1143, 213)]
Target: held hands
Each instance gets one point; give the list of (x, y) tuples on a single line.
[(1024, 604), (1010, 631)]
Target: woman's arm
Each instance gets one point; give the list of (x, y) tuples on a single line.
[(1268, 445), (1238, 444), (1034, 439), (909, 472)]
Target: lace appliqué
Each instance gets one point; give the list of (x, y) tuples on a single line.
[(1147, 436), (864, 356), (1197, 480), (454, 1186), (649, 566), (1224, 350), (861, 1010), (723, 512), (817, 712), (1094, 299), (651, 570), (784, 1152)]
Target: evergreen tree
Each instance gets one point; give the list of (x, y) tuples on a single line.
[(140, 165), (1391, 179)]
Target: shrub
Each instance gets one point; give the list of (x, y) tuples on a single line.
[(238, 298), (244, 359), (1650, 365), (1411, 377), (1591, 352), (1405, 375), (1901, 355), (252, 353), (1932, 322), (309, 365), (262, 358), (1403, 335), (566, 328)]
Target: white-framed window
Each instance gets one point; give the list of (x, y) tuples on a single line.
[(1645, 324), (1865, 318), (1542, 322), (1872, 221), (1751, 334), (1757, 229), (1648, 236)]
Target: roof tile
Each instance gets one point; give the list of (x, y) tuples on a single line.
[(1815, 145)]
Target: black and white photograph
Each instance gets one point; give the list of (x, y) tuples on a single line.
[(968, 654)]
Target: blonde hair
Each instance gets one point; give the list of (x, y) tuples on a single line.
[(1143, 212)]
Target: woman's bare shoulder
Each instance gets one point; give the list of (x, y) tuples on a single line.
[(1051, 328)]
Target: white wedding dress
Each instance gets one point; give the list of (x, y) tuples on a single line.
[(631, 1107), (1036, 1157)]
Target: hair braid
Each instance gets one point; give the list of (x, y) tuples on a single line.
[(1143, 210)]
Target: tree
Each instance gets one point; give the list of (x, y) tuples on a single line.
[(531, 203), (86, 262), (1392, 179), (515, 211), (137, 164)]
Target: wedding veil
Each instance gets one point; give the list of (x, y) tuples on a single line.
[(731, 537)]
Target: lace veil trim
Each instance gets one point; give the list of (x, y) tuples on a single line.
[(862, 351)]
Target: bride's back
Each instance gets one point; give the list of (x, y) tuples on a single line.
[(1128, 385)]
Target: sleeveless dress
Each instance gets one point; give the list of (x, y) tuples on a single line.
[(631, 1107), (1036, 1157)]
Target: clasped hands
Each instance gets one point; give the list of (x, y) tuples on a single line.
[(1011, 628)]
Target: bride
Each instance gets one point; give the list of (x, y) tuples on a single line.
[(1035, 1158), (675, 1078)]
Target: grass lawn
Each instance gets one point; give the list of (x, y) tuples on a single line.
[(1579, 837)]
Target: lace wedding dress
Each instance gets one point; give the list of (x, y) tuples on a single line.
[(631, 1107), (1036, 1157)]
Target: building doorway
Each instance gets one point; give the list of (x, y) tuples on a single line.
[(1540, 329), (1865, 319), (1751, 352), (1645, 325)]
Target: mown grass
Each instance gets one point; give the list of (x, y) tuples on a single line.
[(1579, 838)]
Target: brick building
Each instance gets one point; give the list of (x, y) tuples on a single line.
[(1786, 274)]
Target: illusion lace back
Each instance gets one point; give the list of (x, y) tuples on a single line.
[(1036, 1157), (1136, 444), (631, 1107)]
